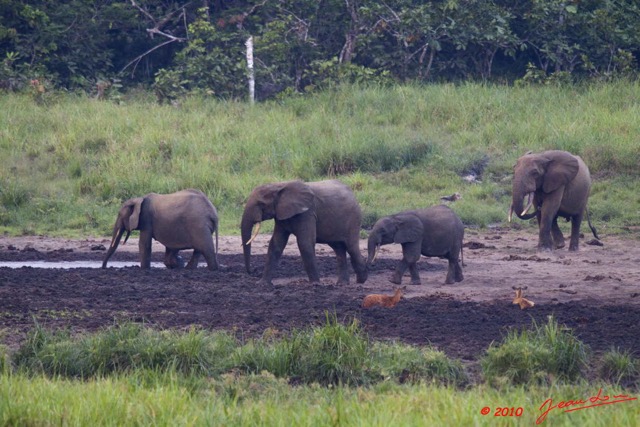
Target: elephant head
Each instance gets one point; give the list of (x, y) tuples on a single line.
[(544, 172), (128, 220), (401, 228), (279, 201)]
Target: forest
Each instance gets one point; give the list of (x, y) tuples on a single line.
[(175, 47)]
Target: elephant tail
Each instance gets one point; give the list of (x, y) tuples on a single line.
[(217, 249), (593, 229)]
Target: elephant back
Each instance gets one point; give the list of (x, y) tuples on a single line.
[(337, 210)]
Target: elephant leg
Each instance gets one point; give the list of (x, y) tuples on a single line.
[(358, 262), (454, 272), (212, 262), (396, 277), (415, 276), (545, 243), (144, 246), (575, 232), (193, 262), (277, 244), (341, 256), (410, 257), (459, 277), (558, 238), (172, 259), (209, 253), (307, 249)]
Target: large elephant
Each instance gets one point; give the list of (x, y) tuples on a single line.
[(435, 232), (556, 183), (315, 212), (182, 220)]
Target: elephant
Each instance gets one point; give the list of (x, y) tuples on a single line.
[(315, 212), (557, 183), (182, 220), (434, 232)]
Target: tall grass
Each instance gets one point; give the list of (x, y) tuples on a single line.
[(332, 354), (265, 400), (327, 375), (542, 355), (74, 160), (620, 367)]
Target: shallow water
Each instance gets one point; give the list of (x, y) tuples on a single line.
[(74, 264)]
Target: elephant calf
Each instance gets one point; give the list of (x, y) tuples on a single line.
[(435, 232), (182, 220)]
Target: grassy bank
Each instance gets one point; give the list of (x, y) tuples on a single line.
[(329, 375), (69, 162)]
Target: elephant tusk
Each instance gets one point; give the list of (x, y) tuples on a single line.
[(529, 204), (510, 213), (255, 234), (375, 254)]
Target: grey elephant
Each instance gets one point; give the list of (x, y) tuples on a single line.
[(182, 220), (557, 183), (434, 232), (315, 212)]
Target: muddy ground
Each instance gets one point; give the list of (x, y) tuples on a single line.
[(596, 292)]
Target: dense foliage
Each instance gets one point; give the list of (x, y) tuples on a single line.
[(180, 46)]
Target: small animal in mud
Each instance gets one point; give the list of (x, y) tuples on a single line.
[(388, 301), (435, 232), (520, 300)]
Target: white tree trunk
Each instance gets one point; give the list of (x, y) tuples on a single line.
[(252, 82)]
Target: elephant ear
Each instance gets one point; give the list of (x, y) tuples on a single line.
[(562, 168), (295, 198), (135, 206), (409, 228)]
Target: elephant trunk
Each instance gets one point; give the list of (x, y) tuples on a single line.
[(373, 247), (517, 203), (246, 226), (118, 230)]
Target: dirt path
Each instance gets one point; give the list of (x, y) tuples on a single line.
[(595, 291)]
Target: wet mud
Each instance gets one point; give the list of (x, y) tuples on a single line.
[(596, 292)]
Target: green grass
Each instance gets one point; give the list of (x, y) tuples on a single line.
[(74, 160), (265, 400), (68, 164), (541, 355), (333, 354), (620, 367), (333, 374)]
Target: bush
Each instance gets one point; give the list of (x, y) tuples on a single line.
[(538, 356), (332, 354), (619, 367), (124, 348), (411, 364)]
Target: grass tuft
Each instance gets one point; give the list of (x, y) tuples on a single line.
[(543, 355), (619, 367)]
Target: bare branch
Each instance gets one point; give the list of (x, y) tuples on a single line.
[(156, 30), (139, 58)]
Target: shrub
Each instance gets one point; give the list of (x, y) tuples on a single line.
[(619, 367), (536, 356), (410, 364)]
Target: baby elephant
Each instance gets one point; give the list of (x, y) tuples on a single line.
[(436, 232)]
